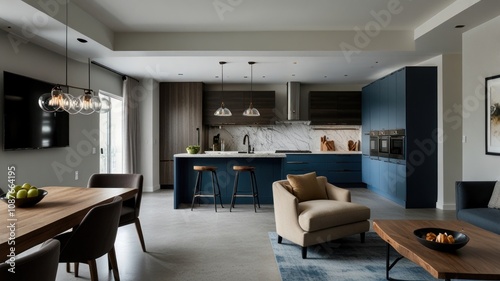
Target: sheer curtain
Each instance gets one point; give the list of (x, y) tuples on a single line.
[(131, 128)]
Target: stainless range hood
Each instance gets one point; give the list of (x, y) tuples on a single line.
[(293, 102)]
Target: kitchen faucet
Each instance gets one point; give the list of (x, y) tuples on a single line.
[(246, 137)]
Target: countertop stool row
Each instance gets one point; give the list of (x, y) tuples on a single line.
[(215, 192)]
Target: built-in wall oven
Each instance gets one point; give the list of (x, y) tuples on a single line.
[(397, 144), (384, 143), (373, 143)]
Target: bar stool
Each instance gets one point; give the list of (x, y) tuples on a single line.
[(197, 188), (255, 192)]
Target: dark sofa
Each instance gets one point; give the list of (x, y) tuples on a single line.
[(472, 199)]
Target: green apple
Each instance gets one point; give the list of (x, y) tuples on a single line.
[(33, 192), (17, 188), (21, 194), (26, 186)]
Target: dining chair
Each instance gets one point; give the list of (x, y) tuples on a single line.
[(40, 265), (92, 238), (132, 206)]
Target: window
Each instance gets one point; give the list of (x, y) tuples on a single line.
[(111, 135)]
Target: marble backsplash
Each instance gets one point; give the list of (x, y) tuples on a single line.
[(285, 136)]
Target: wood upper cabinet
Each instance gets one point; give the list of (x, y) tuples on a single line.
[(181, 107), (334, 107), (237, 102)]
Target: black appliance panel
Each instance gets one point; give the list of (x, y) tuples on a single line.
[(397, 144), (384, 143)]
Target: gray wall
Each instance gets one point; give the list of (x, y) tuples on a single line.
[(55, 166)]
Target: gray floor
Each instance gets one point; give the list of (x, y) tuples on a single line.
[(204, 245)]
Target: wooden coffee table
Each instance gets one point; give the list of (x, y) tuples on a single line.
[(478, 260)]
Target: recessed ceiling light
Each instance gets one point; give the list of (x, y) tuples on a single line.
[(81, 40), (180, 74), (459, 26)]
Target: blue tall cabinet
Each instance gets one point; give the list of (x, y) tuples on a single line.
[(405, 99)]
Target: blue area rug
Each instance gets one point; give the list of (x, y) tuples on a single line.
[(346, 259)]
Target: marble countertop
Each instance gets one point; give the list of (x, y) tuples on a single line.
[(257, 154)]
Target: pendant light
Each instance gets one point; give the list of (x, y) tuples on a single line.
[(222, 110), (58, 101), (90, 102), (251, 111)]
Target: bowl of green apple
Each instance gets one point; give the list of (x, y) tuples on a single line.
[(24, 196), (193, 149)]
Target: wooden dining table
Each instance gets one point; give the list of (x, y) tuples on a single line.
[(60, 210)]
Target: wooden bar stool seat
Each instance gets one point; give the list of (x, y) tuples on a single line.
[(199, 180), (253, 182)]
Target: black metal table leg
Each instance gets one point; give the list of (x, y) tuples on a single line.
[(389, 265)]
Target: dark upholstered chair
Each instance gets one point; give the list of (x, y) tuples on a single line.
[(40, 265), (132, 206), (472, 198), (92, 238)]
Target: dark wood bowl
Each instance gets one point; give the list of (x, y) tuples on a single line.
[(460, 239), (26, 202)]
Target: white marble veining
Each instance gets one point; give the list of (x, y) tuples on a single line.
[(232, 154), (285, 136)]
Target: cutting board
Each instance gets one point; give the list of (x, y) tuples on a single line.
[(327, 145)]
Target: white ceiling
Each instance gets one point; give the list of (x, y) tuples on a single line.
[(291, 40)]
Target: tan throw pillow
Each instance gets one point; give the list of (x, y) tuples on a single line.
[(288, 187), (305, 187), (495, 197)]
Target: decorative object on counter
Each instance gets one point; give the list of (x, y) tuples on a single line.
[(327, 145), (222, 110), (251, 111), (216, 143), (193, 149), (353, 146)]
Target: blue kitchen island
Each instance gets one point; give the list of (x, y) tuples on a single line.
[(341, 168), (268, 168)]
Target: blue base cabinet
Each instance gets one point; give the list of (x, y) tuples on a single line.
[(405, 99), (267, 170), (343, 170)]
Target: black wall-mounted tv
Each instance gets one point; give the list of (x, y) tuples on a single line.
[(25, 124)]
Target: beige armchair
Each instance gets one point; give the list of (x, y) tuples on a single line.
[(317, 221)]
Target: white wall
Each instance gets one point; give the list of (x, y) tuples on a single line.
[(449, 123), (149, 142), (481, 59), (55, 166)]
